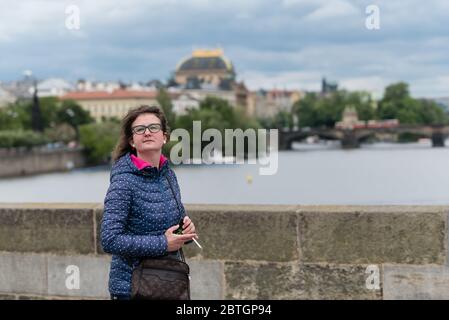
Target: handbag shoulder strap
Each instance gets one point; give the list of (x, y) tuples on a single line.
[(174, 194), (180, 211)]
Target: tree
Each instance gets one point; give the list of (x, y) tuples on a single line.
[(11, 118), (396, 92), (282, 120), (48, 109), (74, 115), (398, 104), (432, 113), (305, 110), (36, 116), (216, 113), (165, 102), (21, 138), (317, 111), (99, 140), (61, 133)]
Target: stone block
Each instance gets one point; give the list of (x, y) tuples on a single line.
[(365, 235), (42, 230), (245, 232), (206, 279), (404, 282), (270, 281), (93, 274), (23, 273)]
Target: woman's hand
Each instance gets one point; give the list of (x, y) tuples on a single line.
[(175, 241), (188, 226)]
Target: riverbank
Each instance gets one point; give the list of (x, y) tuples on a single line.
[(15, 162)]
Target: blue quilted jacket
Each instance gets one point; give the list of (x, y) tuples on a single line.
[(138, 208)]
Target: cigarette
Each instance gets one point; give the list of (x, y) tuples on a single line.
[(196, 242)]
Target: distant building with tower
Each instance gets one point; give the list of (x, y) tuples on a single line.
[(328, 87)]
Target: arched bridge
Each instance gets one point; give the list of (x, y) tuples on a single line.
[(351, 138)]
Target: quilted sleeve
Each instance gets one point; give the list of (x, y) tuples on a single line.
[(114, 238)]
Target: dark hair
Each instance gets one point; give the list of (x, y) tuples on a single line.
[(122, 147)]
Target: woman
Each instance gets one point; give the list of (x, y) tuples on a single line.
[(140, 211)]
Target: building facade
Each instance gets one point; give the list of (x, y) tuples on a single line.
[(112, 104), (268, 103), (6, 98), (182, 102)]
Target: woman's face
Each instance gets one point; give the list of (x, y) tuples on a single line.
[(146, 140)]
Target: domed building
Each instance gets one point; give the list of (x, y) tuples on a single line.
[(205, 66), (207, 72)]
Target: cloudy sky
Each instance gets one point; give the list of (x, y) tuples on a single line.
[(272, 43)]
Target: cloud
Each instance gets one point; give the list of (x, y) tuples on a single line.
[(308, 81), (331, 9), (431, 86), (373, 84), (291, 42)]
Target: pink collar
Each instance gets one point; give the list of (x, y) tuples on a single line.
[(140, 163)]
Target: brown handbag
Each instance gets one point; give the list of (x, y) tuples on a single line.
[(161, 278)]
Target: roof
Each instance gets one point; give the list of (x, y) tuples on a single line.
[(116, 94), (202, 60)]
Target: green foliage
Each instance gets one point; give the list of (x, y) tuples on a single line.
[(396, 92), (317, 111), (166, 148), (54, 112), (99, 140), (48, 107), (73, 114), (56, 117), (282, 119), (216, 113), (61, 133), (11, 118), (21, 138), (397, 103)]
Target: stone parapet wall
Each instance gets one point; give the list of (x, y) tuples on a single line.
[(250, 252)]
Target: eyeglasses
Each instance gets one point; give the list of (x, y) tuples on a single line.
[(153, 127)]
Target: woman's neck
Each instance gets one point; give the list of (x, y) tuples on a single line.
[(151, 157)]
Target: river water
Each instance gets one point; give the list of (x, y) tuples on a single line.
[(378, 173)]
